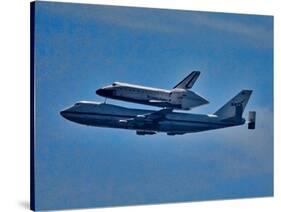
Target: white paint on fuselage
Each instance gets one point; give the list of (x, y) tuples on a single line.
[(179, 98), (139, 92)]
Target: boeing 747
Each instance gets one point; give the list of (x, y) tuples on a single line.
[(148, 122)]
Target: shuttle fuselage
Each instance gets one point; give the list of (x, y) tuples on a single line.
[(176, 98), (180, 97)]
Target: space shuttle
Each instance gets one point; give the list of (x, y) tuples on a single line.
[(179, 97)]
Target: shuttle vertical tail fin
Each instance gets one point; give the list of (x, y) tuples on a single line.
[(188, 81), (235, 107)]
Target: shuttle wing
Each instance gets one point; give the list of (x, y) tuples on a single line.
[(188, 81), (160, 103)]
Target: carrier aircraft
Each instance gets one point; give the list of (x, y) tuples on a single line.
[(180, 97), (149, 122)]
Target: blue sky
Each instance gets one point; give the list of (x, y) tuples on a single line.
[(80, 48)]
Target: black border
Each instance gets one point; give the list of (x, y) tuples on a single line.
[(32, 171)]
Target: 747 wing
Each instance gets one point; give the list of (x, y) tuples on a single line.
[(149, 117)]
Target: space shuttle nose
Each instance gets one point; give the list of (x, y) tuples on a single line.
[(62, 113), (104, 92), (99, 92)]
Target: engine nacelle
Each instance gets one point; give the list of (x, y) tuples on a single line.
[(145, 132)]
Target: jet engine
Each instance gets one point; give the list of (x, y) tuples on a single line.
[(145, 132)]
